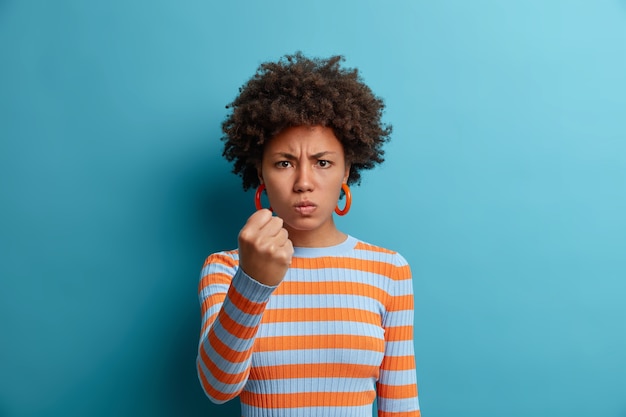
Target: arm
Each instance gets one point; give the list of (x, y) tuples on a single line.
[(232, 308), (232, 305), (397, 385)]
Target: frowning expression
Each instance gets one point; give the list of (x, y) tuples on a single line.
[(303, 168)]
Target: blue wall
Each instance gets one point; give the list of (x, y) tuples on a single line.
[(504, 187)]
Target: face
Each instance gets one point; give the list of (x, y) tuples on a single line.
[(303, 169)]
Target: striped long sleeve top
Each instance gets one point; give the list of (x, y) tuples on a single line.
[(336, 334)]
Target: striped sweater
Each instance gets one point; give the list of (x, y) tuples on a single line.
[(336, 334)]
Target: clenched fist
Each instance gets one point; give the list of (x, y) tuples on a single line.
[(265, 250)]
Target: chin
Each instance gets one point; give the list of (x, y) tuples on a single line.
[(306, 224), (302, 226)]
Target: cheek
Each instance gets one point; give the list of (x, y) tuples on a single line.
[(275, 191)]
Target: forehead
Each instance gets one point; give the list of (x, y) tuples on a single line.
[(304, 139)]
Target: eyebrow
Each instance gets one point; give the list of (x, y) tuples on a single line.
[(318, 155)]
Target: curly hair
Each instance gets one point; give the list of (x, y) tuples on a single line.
[(301, 91)]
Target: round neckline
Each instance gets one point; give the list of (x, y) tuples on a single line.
[(345, 246)]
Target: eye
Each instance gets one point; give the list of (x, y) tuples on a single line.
[(283, 164), (323, 163)]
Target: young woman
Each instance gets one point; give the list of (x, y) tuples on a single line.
[(303, 319)]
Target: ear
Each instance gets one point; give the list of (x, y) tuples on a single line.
[(347, 173), (259, 173)]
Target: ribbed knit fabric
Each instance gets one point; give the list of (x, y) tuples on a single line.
[(333, 336)]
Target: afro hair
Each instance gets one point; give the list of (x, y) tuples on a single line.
[(301, 91)]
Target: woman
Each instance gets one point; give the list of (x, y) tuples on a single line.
[(303, 319)]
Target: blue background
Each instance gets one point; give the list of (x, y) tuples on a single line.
[(504, 187)]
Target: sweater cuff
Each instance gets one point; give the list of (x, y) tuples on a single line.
[(252, 289)]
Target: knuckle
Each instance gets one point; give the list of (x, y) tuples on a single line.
[(285, 255), (245, 235)]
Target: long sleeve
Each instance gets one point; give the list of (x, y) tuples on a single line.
[(397, 385), (232, 306)]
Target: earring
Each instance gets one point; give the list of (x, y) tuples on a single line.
[(346, 209), (257, 197)]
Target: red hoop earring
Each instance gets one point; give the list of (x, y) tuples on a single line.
[(348, 194), (257, 197)]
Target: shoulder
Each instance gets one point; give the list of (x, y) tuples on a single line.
[(218, 269), (226, 258), (378, 253), (387, 263)]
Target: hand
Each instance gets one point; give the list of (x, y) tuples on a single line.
[(265, 250)]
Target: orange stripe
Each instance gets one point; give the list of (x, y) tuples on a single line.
[(214, 278), (397, 392), (268, 344), (332, 288), (398, 363), (401, 302), (208, 388), (354, 264), (415, 413), (220, 375), (399, 333), (372, 248), (402, 273), (207, 323), (211, 300), (222, 258), (237, 329), (320, 314), (314, 370), (310, 399), (225, 351), (218, 395), (244, 304)]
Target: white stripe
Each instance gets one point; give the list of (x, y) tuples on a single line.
[(340, 274), (279, 301), (215, 268), (230, 340), (217, 385), (402, 347), (213, 289), (305, 385), (403, 317), (396, 405), (320, 328), (392, 378), (360, 411)]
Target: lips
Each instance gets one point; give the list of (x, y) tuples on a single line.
[(305, 207)]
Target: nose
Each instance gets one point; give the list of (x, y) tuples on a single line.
[(304, 179)]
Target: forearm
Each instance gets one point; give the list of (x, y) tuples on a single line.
[(225, 350)]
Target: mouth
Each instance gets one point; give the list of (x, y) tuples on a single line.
[(305, 207)]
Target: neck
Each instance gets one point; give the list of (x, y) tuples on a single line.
[(315, 238)]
